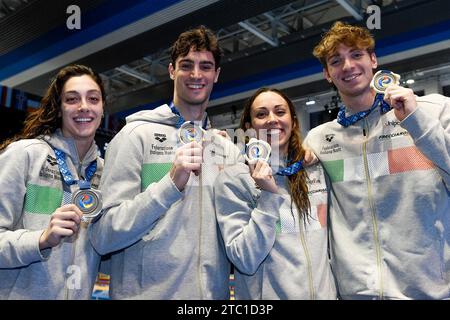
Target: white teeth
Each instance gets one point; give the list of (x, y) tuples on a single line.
[(351, 77), (273, 131), (195, 86), (83, 119)]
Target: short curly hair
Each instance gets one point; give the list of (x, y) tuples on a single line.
[(198, 39), (349, 35)]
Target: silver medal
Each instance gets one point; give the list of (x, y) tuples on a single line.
[(89, 201), (189, 132), (257, 149), (382, 79)]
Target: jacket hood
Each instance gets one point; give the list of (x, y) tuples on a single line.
[(162, 114), (69, 147)]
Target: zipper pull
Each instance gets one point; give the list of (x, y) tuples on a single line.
[(364, 132)]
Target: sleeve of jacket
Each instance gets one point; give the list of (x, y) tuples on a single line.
[(128, 213), (248, 228), (310, 141), (431, 133), (18, 247)]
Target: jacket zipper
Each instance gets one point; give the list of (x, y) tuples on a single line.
[(74, 247), (72, 262), (372, 208), (312, 294), (199, 267)]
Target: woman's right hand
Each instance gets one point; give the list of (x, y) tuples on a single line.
[(64, 222), (261, 172)]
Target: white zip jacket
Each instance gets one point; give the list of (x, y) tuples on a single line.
[(390, 202)]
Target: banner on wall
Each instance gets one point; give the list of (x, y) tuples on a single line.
[(17, 99)]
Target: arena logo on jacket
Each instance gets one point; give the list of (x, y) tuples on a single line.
[(161, 137), (50, 170), (160, 147), (329, 137)]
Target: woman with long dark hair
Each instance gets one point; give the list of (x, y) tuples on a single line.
[(272, 212), (44, 249)]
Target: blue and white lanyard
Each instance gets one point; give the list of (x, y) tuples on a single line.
[(181, 120), (67, 175), (292, 169), (352, 119)]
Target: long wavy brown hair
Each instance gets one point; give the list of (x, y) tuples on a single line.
[(297, 182), (47, 118)]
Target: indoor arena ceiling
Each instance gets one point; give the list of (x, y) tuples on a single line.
[(265, 42)]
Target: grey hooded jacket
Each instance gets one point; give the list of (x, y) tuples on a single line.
[(276, 255), (31, 190), (165, 243), (390, 202)]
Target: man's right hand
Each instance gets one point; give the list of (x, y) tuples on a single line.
[(310, 158), (188, 158), (64, 222)]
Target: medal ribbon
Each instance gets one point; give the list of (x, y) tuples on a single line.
[(352, 119), (67, 175), (181, 120), (292, 169)]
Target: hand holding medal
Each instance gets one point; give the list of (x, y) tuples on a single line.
[(87, 199), (188, 156), (257, 149), (260, 171), (401, 99), (382, 79)]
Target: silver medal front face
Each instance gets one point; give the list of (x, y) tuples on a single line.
[(189, 132), (382, 79), (89, 201), (257, 149)]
